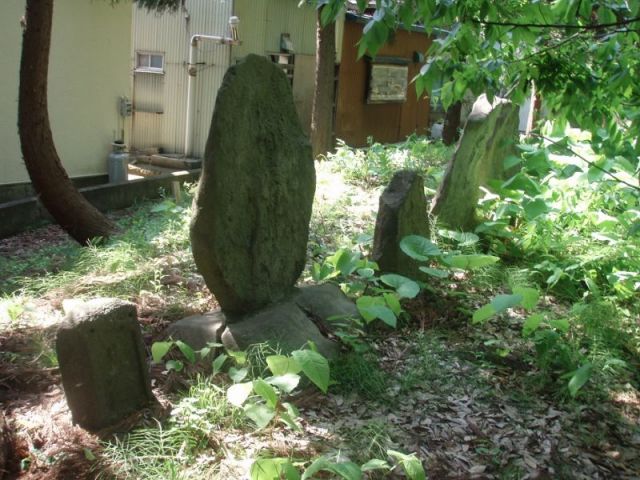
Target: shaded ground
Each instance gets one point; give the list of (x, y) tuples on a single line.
[(435, 387)]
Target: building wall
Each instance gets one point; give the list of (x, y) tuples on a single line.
[(160, 100), (88, 72), (389, 122)]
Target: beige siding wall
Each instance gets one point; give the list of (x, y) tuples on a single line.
[(89, 71), (160, 100), (262, 22)]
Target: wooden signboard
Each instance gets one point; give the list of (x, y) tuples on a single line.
[(387, 83)]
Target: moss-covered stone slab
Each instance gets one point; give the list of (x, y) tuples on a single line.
[(402, 211), (198, 330), (102, 362), (490, 136), (251, 224), (284, 326)]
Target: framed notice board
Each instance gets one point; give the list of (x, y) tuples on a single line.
[(388, 81)]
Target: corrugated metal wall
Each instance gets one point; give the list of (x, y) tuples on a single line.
[(160, 100), (262, 22)]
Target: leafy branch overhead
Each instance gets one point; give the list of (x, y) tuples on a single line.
[(580, 54)]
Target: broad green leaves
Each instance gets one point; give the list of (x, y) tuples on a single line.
[(314, 366), (419, 248)]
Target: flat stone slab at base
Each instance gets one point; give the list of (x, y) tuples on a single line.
[(198, 330), (102, 362), (283, 325), (326, 301)]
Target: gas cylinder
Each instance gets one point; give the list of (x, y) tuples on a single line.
[(118, 163)]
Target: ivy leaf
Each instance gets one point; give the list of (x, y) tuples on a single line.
[(218, 363), (187, 351), (435, 272), (260, 414), (159, 350), (469, 262), (287, 382), (238, 374), (314, 366), (238, 393), (273, 469), (502, 302), (266, 391), (176, 365), (579, 378), (483, 313), (410, 463), (375, 464), (405, 287), (281, 365), (419, 248), (531, 324), (530, 297), (374, 307), (346, 470)]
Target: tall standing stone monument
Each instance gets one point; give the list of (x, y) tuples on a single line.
[(489, 136), (252, 211), (253, 206)]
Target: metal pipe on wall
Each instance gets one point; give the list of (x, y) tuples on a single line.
[(192, 71)]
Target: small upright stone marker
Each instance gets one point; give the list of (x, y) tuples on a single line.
[(489, 136), (402, 212), (251, 225), (102, 362)]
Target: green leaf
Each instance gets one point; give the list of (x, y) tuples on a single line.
[(393, 302), (419, 248), (281, 364), (464, 239), (187, 351), (238, 393), (159, 350), (532, 323), (375, 464), (483, 313), (273, 469), (176, 365), (535, 208), (260, 414), (289, 416), (238, 374), (579, 378), (346, 470), (469, 262), (314, 366), (561, 324), (287, 382), (405, 287), (435, 272), (502, 302), (218, 363), (239, 357), (266, 391), (530, 297), (410, 463), (374, 307)]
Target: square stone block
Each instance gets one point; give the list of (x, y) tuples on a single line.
[(103, 362)]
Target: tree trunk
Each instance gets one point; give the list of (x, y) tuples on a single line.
[(450, 133), (323, 98), (50, 180)]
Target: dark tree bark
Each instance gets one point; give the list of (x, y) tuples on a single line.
[(450, 130), (323, 99), (50, 180)]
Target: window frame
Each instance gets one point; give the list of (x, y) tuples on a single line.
[(148, 68)]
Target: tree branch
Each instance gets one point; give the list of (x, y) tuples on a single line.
[(569, 26), (586, 160)]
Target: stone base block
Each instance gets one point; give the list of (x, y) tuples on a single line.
[(198, 330), (102, 362)]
